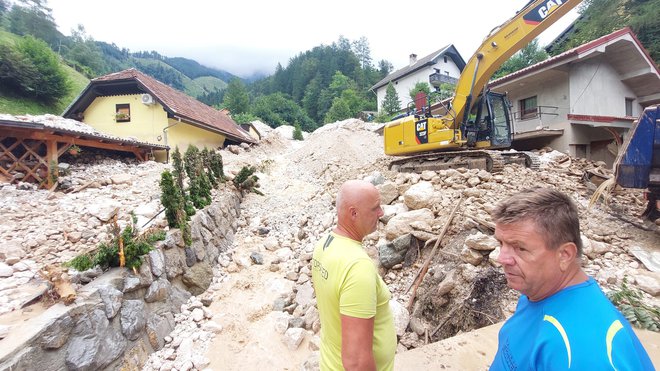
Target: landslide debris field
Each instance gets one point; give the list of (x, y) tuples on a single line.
[(259, 312)]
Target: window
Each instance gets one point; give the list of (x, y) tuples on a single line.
[(528, 108), (629, 106), (445, 58), (123, 113)]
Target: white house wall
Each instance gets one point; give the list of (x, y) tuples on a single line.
[(551, 92), (596, 89), (406, 83)]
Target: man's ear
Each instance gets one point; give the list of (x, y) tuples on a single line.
[(567, 253)]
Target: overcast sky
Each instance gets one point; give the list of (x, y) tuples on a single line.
[(243, 37)]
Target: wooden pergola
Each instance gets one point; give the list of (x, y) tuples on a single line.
[(34, 148)]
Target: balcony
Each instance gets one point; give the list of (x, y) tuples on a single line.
[(437, 79)]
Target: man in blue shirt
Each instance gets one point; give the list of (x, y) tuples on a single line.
[(563, 320)]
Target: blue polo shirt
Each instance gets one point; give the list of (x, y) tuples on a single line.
[(577, 328)]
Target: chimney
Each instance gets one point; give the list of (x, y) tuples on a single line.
[(413, 59)]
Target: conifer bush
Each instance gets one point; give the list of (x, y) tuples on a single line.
[(217, 167), (245, 180), (297, 132), (179, 174), (206, 162), (200, 187), (170, 198)]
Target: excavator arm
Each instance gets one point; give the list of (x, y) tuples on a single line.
[(502, 42)]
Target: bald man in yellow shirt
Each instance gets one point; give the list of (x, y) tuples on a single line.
[(357, 328)]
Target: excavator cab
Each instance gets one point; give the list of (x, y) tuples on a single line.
[(488, 123)]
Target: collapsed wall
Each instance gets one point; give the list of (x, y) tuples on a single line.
[(121, 317)]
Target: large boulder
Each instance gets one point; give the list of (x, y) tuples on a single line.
[(419, 196), (393, 253), (133, 318), (198, 278), (57, 333), (388, 193), (111, 298), (94, 344), (403, 223), (481, 242)]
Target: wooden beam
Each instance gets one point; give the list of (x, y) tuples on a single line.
[(71, 140), (52, 155)]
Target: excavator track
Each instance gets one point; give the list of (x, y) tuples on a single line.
[(491, 161), (525, 158)]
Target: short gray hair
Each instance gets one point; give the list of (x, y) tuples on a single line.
[(553, 212)]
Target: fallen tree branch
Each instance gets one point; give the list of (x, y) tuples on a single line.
[(419, 277), (483, 222), (82, 187)]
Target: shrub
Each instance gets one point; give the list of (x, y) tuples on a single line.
[(629, 301), (107, 254), (80, 263), (246, 181)]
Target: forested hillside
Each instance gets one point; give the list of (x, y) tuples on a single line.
[(38, 64), (325, 84)]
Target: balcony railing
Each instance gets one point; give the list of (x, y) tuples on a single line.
[(536, 113)]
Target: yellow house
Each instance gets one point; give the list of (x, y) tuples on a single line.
[(132, 104)]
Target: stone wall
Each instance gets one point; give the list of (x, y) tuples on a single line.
[(121, 317)]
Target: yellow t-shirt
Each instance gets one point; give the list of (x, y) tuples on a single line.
[(346, 282)]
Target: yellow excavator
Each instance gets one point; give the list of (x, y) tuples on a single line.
[(477, 120)]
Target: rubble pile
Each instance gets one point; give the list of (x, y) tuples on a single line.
[(42, 228), (262, 297)]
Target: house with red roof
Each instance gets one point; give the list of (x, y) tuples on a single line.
[(130, 103), (583, 101)]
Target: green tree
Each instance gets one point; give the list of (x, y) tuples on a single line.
[(338, 111), (33, 17), (17, 73), (4, 7), (236, 98), (419, 86), (446, 91), (51, 82), (384, 68), (531, 54), (85, 53), (391, 102), (297, 132), (362, 51), (277, 109), (310, 100)]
